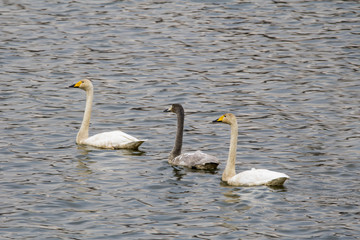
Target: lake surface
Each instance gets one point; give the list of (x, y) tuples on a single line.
[(289, 71)]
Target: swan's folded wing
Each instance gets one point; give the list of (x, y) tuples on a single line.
[(198, 160), (255, 177), (114, 140)]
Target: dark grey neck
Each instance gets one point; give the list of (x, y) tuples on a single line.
[(176, 151)]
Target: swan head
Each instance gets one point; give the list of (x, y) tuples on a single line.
[(84, 84), (175, 108), (228, 118)]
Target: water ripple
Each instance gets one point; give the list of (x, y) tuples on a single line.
[(288, 70)]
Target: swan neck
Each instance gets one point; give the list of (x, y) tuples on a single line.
[(229, 171), (83, 133), (176, 151)]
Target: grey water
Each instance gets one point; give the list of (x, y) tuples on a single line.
[(289, 71)]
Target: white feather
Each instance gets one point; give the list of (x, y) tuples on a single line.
[(256, 177), (113, 140)]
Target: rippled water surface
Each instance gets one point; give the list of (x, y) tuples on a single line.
[(289, 70)]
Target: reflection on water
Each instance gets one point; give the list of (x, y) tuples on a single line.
[(83, 168), (85, 149), (287, 71)]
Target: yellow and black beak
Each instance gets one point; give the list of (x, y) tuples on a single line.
[(76, 85), (168, 109), (220, 119)]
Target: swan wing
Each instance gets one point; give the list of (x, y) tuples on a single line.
[(114, 140), (256, 177), (197, 160)]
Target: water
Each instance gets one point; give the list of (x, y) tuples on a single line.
[(289, 70)]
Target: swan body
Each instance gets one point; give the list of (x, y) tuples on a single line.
[(109, 140), (113, 140), (256, 177), (253, 177), (196, 160)]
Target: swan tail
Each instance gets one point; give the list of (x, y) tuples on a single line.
[(134, 145), (206, 166), (277, 181)]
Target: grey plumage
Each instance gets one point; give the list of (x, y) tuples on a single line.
[(196, 160)]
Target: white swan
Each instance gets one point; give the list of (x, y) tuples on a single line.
[(111, 140), (251, 177), (196, 160)]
